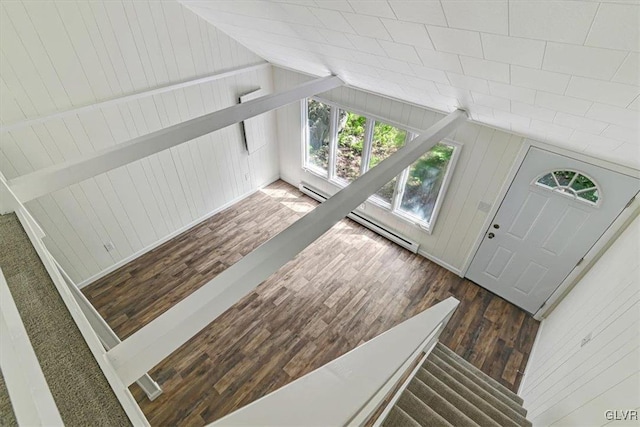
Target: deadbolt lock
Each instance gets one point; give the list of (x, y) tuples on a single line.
[(496, 226)]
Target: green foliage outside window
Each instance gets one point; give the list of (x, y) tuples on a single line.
[(567, 182), (425, 177), (351, 129), (424, 182), (319, 122), (386, 140)]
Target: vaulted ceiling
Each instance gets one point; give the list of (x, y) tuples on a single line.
[(565, 72)]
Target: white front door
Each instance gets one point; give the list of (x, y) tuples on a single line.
[(555, 210)]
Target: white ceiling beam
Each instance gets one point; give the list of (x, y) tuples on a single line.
[(56, 177), (157, 340)]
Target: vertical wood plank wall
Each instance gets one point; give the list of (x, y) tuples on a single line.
[(485, 160), (570, 384), (61, 55)]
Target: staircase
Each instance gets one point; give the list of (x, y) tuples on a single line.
[(449, 391)]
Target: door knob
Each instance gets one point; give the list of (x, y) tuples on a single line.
[(491, 235)]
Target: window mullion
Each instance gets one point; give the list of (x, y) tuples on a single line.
[(402, 180), (306, 142), (333, 143), (399, 190), (366, 149)]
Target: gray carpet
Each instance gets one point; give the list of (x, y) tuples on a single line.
[(448, 391), (7, 417), (79, 388)]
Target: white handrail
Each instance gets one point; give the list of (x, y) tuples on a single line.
[(30, 397), (35, 234), (347, 390), (104, 332)]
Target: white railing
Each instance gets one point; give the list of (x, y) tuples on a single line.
[(31, 399), (349, 389), (106, 335), (9, 202)]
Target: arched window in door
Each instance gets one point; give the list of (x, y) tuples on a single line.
[(572, 184)]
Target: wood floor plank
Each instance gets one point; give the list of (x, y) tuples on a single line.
[(343, 290)]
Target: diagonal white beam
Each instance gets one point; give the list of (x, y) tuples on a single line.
[(56, 177), (157, 340)]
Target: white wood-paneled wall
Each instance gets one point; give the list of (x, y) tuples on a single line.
[(61, 55), (486, 157), (571, 384)]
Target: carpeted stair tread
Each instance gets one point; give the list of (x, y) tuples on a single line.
[(483, 405), (420, 412), (444, 392), (486, 406), (456, 358), (464, 370), (439, 404), (496, 399), (399, 418), (7, 416), (451, 396)]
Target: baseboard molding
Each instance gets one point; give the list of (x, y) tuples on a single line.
[(170, 236), (440, 262), (289, 180), (421, 252)]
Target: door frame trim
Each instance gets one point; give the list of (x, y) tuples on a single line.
[(612, 232)]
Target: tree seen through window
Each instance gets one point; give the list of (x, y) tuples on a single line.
[(319, 128), (421, 184)]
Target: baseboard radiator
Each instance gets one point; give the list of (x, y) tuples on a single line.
[(364, 221)]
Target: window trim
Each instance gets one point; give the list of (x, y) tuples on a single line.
[(428, 227), (392, 208)]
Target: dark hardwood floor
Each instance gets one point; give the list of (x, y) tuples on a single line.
[(343, 290)]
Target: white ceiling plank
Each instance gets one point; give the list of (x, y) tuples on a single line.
[(512, 50), (615, 115), (440, 60), (515, 93), (482, 68), (496, 102), (562, 103), (560, 21), (616, 26), (339, 5), (366, 44), (592, 142), (528, 110), (485, 16), (408, 33), (451, 40), (623, 133), (582, 60), (61, 175), (539, 79), (368, 26), (332, 20), (425, 12), (378, 8), (401, 52), (578, 122), (616, 94), (629, 71), (430, 73), (467, 82)]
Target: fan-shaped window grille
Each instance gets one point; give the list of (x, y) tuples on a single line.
[(571, 183)]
